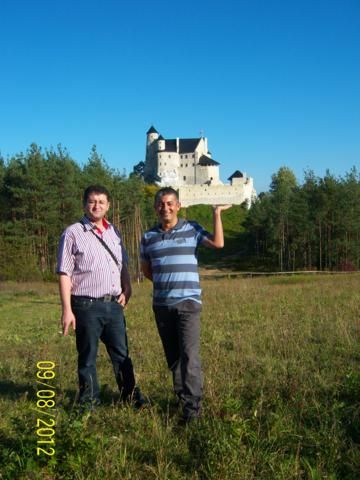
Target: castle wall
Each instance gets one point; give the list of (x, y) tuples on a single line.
[(167, 168), (215, 194), (204, 174)]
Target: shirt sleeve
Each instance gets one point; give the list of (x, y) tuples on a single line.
[(201, 233), (66, 258), (143, 254)]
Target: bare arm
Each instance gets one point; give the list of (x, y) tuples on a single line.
[(146, 268), (67, 317), (125, 286), (217, 239)]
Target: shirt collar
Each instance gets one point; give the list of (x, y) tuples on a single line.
[(179, 224), (90, 226)]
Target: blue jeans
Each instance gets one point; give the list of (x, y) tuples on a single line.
[(104, 321), (179, 330)]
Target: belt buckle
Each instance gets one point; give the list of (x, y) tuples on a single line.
[(107, 298)]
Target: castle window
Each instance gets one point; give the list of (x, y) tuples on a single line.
[(185, 156), (180, 156), (169, 156), (184, 177), (193, 155), (193, 165), (181, 165), (186, 165), (165, 163)]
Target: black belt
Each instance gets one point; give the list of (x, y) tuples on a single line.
[(105, 298)]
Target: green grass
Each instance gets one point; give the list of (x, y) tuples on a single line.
[(282, 387)]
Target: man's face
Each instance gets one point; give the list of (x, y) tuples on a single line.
[(167, 209), (96, 206)]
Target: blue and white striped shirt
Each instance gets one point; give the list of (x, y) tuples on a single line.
[(174, 265), (92, 270)]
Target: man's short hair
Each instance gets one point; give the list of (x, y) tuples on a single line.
[(99, 189), (165, 191)]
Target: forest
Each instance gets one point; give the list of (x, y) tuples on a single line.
[(314, 225)]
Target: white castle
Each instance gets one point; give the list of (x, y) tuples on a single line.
[(186, 164)]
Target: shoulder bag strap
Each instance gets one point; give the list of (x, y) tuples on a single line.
[(103, 244)]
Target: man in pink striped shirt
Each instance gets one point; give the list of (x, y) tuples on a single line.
[(94, 288)]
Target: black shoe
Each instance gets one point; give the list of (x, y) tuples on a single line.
[(137, 399), (187, 419), (190, 415)]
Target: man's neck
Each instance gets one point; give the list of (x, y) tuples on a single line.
[(101, 224), (169, 226)]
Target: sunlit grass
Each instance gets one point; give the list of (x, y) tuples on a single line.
[(281, 381)]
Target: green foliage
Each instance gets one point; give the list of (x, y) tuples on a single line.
[(233, 231), (41, 193), (312, 226)]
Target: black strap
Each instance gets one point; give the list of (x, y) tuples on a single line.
[(103, 244)]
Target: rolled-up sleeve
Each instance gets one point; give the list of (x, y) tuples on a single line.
[(66, 258)]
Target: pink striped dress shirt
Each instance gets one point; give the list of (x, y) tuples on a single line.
[(81, 256)]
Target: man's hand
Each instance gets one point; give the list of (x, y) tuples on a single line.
[(216, 240), (221, 208), (67, 319), (122, 300)]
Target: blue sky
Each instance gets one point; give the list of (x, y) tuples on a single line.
[(270, 83)]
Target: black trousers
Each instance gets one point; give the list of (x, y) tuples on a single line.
[(179, 329)]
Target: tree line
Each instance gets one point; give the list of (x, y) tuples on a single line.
[(41, 193), (315, 225)]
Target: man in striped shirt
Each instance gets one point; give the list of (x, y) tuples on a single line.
[(94, 288), (168, 254)]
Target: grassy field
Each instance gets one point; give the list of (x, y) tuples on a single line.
[(282, 388)]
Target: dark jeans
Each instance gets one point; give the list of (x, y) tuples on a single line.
[(104, 321), (179, 330)]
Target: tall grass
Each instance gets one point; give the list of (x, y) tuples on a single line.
[(281, 383)]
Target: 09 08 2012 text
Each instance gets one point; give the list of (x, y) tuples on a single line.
[(45, 406)]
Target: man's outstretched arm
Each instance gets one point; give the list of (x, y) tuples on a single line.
[(216, 240)]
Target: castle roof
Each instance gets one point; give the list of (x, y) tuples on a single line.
[(236, 174), (186, 145), (151, 130), (161, 138), (207, 161)]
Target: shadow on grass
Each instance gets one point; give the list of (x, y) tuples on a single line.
[(166, 406), (14, 391)]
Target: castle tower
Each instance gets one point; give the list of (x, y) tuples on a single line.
[(151, 167), (161, 144), (152, 134)]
